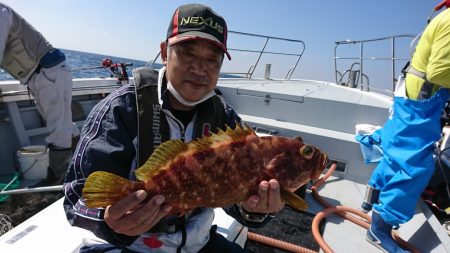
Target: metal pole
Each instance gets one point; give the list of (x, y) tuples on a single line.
[(32, 190), (259, 56), (267, 71), (393, 62), (361, 45), (335, 63)]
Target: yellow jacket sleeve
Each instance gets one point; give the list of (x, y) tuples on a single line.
[(432, 55)]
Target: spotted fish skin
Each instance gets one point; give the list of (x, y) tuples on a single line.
[(222, 170)]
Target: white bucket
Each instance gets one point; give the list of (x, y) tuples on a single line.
[(33, 162)]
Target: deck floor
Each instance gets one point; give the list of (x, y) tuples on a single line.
[(345, 236)]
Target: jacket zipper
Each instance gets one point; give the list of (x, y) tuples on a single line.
[(180, 125)]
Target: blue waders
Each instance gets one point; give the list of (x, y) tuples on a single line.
[(407, 141)]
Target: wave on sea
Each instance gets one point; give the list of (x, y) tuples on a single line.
[(83, 64)]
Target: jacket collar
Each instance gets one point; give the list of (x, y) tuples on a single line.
[(162, 85)]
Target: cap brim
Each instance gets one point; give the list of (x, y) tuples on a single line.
[(198, 36)]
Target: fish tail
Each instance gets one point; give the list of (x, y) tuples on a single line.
[(293, 200), (103, 189)]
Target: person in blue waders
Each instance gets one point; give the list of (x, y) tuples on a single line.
[(408, 137)]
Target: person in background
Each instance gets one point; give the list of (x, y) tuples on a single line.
[(27, 56), (409, 135), (122, 131)]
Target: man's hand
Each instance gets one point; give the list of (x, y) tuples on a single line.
[(133, 216), (268, 199)]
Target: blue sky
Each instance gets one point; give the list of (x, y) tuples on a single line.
[(134, 28)]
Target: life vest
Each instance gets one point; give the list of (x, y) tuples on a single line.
[(153, 126)]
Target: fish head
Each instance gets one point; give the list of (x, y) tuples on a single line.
[(318, 159), (299, 163)]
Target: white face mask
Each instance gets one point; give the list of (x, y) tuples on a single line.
[(184, 101), (178, 96)]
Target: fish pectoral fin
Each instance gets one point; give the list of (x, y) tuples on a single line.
[(293, 200)]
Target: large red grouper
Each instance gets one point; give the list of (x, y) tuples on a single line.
[(215, 171)]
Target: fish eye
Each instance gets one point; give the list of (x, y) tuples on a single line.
[(307, 152)]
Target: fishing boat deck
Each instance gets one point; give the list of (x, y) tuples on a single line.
[(323, 114)]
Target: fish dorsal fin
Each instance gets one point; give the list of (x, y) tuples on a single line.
[(162, 155), (299, 138), (170, 149), (239, 133)]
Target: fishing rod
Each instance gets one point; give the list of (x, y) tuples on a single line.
[(32, 190), (118, 70), (438, 7), (106, 63)]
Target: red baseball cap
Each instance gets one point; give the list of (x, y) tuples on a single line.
[(198, 22)]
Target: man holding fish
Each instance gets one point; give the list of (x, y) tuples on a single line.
[(162, 115)]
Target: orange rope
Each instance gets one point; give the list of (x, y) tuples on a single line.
[(343, 212), (278, 243), (318, 218)]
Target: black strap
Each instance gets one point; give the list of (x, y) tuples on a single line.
[(152, 124), (182, 226), (426, 91), (405, 68)]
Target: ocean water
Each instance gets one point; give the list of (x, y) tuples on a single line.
[(80, 62)]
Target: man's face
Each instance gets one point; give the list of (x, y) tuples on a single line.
[(193, 68)]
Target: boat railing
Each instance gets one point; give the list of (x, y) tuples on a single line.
[(260, 52), (356, 73)]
